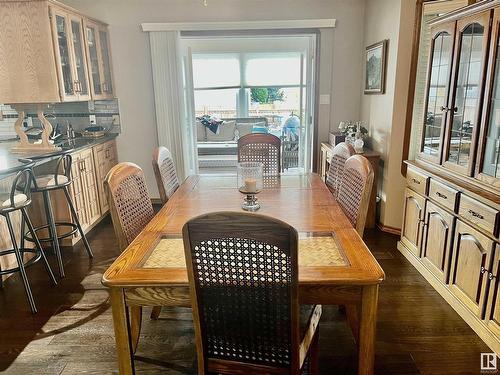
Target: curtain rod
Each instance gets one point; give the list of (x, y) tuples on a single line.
[(240, 25)]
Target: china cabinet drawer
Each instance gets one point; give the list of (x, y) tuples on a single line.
[(478, 213), (442, 194), (417, 181)]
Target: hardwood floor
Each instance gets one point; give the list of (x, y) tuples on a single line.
[(417, 331)]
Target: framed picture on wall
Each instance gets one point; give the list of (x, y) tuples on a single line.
[(375, 68)]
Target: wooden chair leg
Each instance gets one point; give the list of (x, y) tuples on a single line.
[(135, 325), (314, 360), (155, 313), (352, 314)]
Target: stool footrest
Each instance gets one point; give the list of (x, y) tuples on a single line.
[(74, 229), (29, 262)]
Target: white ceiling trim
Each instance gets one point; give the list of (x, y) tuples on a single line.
[(240, 25)]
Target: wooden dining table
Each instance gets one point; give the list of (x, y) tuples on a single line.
[(151, 271)]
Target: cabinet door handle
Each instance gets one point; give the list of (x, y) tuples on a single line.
[(441, 195), (476, 214), (75, 87), (483, 270), (491, 276), (444, 109), (415, 181)]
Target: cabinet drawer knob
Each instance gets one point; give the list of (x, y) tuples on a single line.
[(476, 214), (441, 195), (415, 181)]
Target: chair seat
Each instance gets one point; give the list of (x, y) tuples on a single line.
[(19, 199), (308, 324), (51, 180)]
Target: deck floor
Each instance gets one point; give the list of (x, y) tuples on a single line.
[(417, 331)]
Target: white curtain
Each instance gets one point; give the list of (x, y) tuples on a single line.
[(172, 116)]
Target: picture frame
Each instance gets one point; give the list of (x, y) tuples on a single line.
[(375, 60)]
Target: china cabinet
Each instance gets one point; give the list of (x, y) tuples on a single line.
[(456, 176), (61, 55)]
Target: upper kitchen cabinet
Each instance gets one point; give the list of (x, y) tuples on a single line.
[(99, 60), (51, 53)]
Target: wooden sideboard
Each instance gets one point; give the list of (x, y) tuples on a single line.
[(451, 222), (374, 158)]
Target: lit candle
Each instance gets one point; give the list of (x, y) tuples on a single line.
[(250, 185)]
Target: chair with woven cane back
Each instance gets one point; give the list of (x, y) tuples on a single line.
[(167, 182), (131, 210), (354, 191), (243, 279), (263, 148), (340, 154), (165, 173)]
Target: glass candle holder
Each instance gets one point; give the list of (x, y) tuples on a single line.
[(250, 183)]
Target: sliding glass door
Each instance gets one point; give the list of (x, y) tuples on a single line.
[(248, 85)]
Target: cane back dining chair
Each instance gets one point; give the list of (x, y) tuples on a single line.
[(167, 182), (264, 148), (340, 154), (355, 189), (243, 278), (165, 173), (131, 210)]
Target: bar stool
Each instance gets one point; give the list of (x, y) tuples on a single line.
[(18, 201), (44, 184)]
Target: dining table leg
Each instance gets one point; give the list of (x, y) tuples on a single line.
[(367, 329), (122, 332)]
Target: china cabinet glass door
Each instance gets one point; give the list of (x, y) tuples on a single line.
[(489, 166), (464, 108), (80, 64), (63, 52), (437, 91)]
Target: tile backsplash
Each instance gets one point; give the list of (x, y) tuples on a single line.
[(78, 114)]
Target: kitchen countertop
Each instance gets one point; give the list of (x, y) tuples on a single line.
[(10, 162)]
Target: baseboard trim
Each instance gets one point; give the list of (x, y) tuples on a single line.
[(388, 229), (478, 325)]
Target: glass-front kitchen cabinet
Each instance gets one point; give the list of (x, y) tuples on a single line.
[(99, 60), (67, 31), (83, 58)]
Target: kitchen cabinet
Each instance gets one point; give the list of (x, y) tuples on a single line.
[(67, 31), (411, 232), (52, 53), (105, 158), (99, 60)]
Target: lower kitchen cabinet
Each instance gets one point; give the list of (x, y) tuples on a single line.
[(472, 256), (411, 233), (87, 175), (437, 238)]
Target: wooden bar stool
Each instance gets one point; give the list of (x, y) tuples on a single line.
[(59, 180), (18, 201)]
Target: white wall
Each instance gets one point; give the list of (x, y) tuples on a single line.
[(340, 62), (385, 114)]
